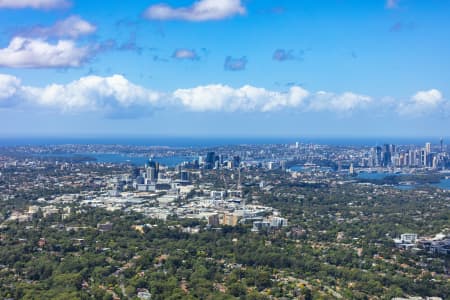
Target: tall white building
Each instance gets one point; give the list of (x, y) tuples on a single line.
[(428, 148)]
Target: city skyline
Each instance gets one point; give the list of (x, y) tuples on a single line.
[(224, 68)]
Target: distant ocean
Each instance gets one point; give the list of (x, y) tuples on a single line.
[(213, 141)]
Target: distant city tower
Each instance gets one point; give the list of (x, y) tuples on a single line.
[(351, 170), (210, 159), (239, 179), (428, 148)]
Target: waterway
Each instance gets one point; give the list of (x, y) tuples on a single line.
[(444, 184)]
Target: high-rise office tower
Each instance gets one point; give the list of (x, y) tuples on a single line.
[(136, 172), (373, 157), (351, 170), (412, 158), (283, 165), (152, 170), (236, 161), (210, 158), (423, 157), (387, 155), (442, 145), (428, 148), (379, 156), (392, 149), (152, 174), (184, 176)]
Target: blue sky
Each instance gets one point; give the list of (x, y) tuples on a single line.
[(225, 68)]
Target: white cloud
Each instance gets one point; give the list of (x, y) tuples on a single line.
[(202, 10), (38, 53), (9, 85), (422, 102), (116, 94), (36, 4), (346, 102), (429, 98), (247, 98), (32, 47), (92, 93), (72, 27)]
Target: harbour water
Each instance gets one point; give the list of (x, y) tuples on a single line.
[(443, 184)]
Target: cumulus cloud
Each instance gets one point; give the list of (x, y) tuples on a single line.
[(9, 85), (38, 53), (432, 97), (423, 102), (72, 27), (36, 4), (184, 54), (92, 93), (247, 98), (341, 103), (50, 47), (10, 91), (107, 95), (202, 10), (117, 96), (235, 64)]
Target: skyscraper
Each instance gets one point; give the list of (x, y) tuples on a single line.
[(184, 175), (428, 148), (236, 161), (387, 155), (423, 157), (412, 158), (209, 162), (379, 156), (152, 170)]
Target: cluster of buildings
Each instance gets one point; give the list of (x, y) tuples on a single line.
[(147, 180), (159, 192), (270, 222), (217, 208), (390, 155), (439, 245), (214, 161), (34, 210)]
